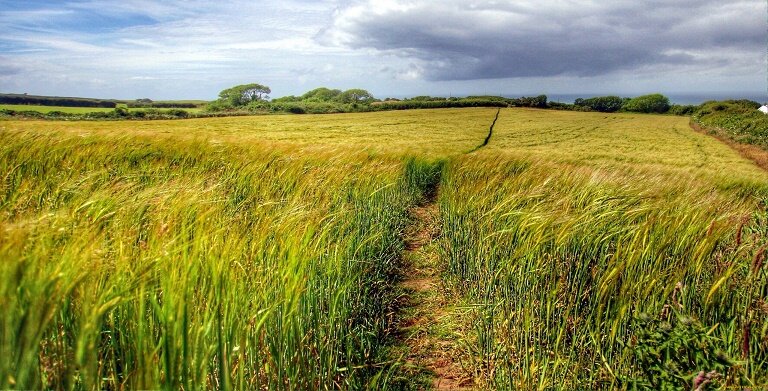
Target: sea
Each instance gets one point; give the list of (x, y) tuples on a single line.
[(679, 99)]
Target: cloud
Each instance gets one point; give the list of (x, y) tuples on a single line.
[(195, 48), (6, 69), (486, 39), (212, 44)]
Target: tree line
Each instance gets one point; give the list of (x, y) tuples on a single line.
[(652, 103), (253, 98)]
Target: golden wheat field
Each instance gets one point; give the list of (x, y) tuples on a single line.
[(574, 251)]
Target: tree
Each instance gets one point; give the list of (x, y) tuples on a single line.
[(526, 101), (356, 95), (243, 94), (321, 94), (287, 99), (604, 104), (653, 103)]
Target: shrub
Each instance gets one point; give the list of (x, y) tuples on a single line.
[(30, 114), (526, 101), (56, 114), (736, 119), (653, 103), (296, 110), (178, 113), (139, 114), (682, 109), (218, 106), (603, 104), (121, 111), (561, 106), (677, 354)]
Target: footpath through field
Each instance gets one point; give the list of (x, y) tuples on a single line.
[(425, 325), (426, 310)]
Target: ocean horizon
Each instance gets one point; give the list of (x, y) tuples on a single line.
[(680, 99)]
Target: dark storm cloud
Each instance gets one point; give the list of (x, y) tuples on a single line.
[(462, 40)]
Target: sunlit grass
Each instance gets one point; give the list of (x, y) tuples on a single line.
[(140, 263), (652, 143), (262, 252), (558, 265), (423, 132)]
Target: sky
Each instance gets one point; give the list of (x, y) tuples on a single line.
[(190, 49)]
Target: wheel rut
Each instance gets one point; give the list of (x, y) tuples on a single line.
[(490, 133), (426, 313)]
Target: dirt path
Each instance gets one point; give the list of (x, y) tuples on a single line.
[(425, 325)]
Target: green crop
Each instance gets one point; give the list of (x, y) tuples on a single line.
[(579, 250)]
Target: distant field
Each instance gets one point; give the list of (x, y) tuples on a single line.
[(75, 110), (574, 251), (192, 101), (48, 109), (636, 141), (653, 143)]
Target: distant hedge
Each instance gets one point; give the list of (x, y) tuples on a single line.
[(603, 104), (120, 113), (436, 104), (162, 105), (20, 99), (653, 103), (425, 102), (737, 119)]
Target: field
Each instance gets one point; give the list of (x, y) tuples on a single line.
[(78, 110), (381, 251), (63, 109)]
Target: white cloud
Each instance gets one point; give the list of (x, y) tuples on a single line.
[(194, 48)]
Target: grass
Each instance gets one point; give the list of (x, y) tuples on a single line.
[(585, 251), (432, 133), (620, 142), (558, 267), (166, 264)]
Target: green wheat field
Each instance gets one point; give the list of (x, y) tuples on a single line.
[(577, 250)]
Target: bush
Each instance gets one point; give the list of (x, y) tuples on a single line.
[(526, 101), (683, 110), (296, 110), (603, 104), (676, 355), (30, 114), (218, 106), (735, 119), (561, 106), (121, 112), (745, 103), (653, 103), (57, 114), (178, 113)]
